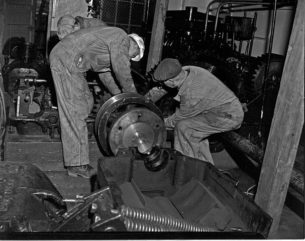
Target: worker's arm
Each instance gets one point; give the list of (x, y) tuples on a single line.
[(188, 108), (120, 63), (108, 81)]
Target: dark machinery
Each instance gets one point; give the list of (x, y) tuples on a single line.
[(254, 80), (130, 120), (127, 120), (27, 81), (29, 201), (144, 187), (211, 42)]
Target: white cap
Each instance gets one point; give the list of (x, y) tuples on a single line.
[(140, 43)]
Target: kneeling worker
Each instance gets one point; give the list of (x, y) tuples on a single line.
[(207, 107)]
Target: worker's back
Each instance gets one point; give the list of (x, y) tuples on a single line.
[(90, 48)]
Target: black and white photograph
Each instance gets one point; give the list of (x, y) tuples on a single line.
[(152, 119)]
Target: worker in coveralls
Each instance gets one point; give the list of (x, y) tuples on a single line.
[(99, 49), (207, 107), (88, 22)]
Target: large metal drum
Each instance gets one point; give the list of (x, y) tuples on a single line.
[(129, 120)]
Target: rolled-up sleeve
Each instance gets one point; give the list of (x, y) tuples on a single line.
[(189, 107), (109, 83)]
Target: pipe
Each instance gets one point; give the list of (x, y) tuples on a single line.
[(250, 9), (233, 2), (207, 17), (217, 16), (251, 150), (232, 8), (253, 34), (244, 145), (270, 45)]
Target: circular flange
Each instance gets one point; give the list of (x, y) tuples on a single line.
[(138, 127), (112, 110)]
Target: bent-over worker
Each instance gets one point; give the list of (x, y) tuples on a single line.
[(207, 107), (99, 49)]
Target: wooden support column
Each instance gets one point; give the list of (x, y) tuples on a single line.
[(156, 40), (286, 127)]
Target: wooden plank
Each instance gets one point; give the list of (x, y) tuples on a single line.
[(40, 152), (286, 127), (156, 41)]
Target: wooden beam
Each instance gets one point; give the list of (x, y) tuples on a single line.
[(286, 127), (156, 40)]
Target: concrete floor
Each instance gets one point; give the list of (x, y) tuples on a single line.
[(291, 225), (47, 155)]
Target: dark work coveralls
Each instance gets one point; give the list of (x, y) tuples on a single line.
[(207, 107), (97, 48), (89, 22)]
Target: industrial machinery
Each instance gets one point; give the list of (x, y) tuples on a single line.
[(222, 43), (27, 81), (141, 186), (127, 120), (215, 42), (130, 120), (32, 100)]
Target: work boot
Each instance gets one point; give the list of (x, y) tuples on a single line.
[(84, 171)]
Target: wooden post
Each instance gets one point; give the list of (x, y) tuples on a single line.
[(286, 127), (156, 40)]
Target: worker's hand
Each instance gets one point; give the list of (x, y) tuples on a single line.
[(169, 123), (97, 89)]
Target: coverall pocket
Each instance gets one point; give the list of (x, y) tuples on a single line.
[(219, 119), (66, 91)]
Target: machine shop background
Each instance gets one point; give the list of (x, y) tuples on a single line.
[(252, 42)]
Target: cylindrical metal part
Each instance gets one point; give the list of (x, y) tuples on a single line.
[(257, 155), (129, 120), (244, 145)]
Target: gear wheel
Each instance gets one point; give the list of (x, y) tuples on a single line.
[(256, 75), (261, 94)]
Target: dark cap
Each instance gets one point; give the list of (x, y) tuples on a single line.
[(167, 69)]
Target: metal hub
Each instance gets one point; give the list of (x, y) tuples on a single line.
[(129, 120)]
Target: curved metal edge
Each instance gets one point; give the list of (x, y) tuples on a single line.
[(109, 107), (159, 139)]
